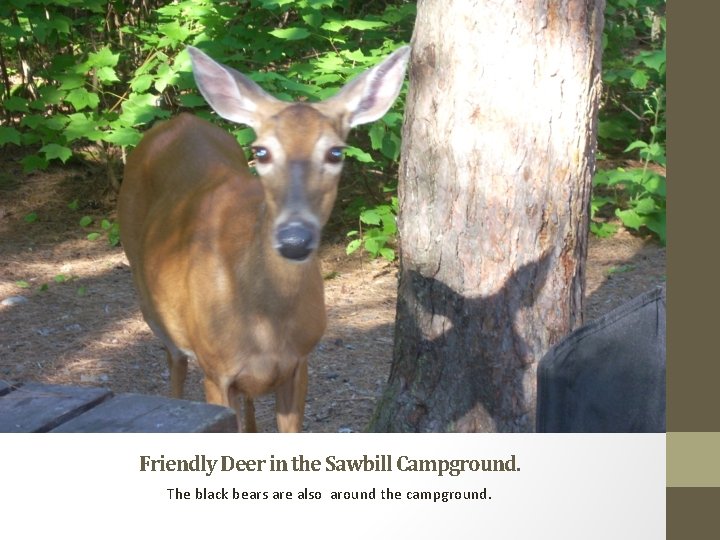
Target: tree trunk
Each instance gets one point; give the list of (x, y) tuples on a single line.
[(495, 181)]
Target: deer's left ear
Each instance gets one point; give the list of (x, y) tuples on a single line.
[(369, 96)]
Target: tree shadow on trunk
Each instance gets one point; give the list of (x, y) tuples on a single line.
[(473, 371)]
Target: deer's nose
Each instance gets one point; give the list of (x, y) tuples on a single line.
[(296, 240)]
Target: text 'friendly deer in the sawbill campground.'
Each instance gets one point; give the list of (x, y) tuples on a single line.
[(226, 263)]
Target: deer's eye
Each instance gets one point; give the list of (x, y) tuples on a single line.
[(262, 154), (335, 154)]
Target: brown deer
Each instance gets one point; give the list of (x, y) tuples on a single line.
[(225, 263)]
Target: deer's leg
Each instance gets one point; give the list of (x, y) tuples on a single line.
[(177, 364), (227, 396), (290, 400), (250, 425)]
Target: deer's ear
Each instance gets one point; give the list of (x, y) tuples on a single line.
[(230, 93), (369, 96)]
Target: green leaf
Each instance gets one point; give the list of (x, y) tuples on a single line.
[(102, 58), (614, 130), (330, 63), (16, 104), (71, 81), (391, 147), (56, 151), (354, 56), (620, 176), (32, 217), (333, 26), (107, 75), (174, 31), (658, 225), (142, 82), (652, 59), (377, 134), (596, 203), (82, 125), (370, 217), (630, 218), (392, 119), (166, 75), (244, 136), (353, 246), (114, 235), (640, 79), (59, 23), (276, 3), (601, 178), (123, 136), (356, 24), (313, 19), (603, 230), (324, 79), (389, 224), (191, 101), (93, 236), (636, 144), (360, 155), (33, 121), (292, 33), (653, 152), (645, 206), (9, 135), (374, 243), (85, 221), (80, 98), (141, 109), (50, 95), (33, 163), (22, 284), (359, 24), (388, 253), (57, 122), (656, 185)]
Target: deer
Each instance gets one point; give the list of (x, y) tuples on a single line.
[(225, 262)]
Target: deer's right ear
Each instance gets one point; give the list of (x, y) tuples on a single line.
[(230, 93)]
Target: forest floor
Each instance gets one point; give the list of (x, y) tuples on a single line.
[(78, 321)]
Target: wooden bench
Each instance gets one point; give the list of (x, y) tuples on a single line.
[(41, 408)]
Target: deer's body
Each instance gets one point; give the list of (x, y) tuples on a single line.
[(225, 263)]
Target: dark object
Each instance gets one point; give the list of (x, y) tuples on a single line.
[(33, 408), (609, 375)]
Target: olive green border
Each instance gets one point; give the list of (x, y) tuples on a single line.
[(692, 459), (693, 417)]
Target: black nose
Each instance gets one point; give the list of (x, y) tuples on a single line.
[(295, 241)]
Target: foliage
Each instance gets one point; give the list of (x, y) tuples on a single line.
[(380, 229), (632, 120), (79, 72)]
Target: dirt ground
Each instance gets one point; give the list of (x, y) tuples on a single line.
[(78, 322)]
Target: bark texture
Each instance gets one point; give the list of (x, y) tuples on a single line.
[(495, 179)]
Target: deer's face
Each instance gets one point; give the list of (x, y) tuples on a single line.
[(299, 157), (299, 146)]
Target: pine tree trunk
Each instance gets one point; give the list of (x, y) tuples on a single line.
[(495, 179)]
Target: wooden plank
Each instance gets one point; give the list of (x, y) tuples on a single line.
[(135, 413), (34, 407)]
